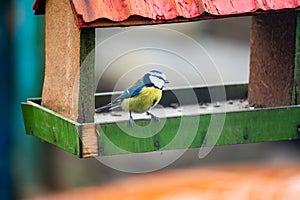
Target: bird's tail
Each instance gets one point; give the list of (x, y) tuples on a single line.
[(108, 107)]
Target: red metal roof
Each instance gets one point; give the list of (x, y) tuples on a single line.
[(89, 11)]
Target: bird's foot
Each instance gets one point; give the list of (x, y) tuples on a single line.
[(153, 117), (131, 121)]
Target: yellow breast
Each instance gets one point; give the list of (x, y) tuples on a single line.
[(148, 98)]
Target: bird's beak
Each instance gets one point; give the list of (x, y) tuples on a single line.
[(166, 81)]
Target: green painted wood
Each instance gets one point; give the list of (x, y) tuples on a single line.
[(86, 97), (296, 84), (240, 127), (243, 127), (51, 127)]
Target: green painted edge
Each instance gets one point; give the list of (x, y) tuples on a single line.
[(51, 127), (261, 125), (296, 82), (86, 102), (240, 127)]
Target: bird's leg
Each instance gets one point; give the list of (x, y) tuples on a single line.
[(153, 117), (131, 121)]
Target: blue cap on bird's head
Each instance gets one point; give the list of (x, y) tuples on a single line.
[(156, 78)]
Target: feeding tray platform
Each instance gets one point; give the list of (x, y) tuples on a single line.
[(242, 124), (65, 117)]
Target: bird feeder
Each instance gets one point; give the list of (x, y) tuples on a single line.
[(64, 116)]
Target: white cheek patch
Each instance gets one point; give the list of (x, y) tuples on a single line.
[(157, 82), (164, 77)]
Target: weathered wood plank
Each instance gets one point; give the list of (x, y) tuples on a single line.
[(86, 98), (86, 103), (89, 140), (272, 59), (60, 91), (68, 86), (296, 83), (69, 75)]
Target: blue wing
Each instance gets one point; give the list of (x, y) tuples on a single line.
[(134, 90)]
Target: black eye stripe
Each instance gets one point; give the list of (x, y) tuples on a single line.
[(161, 78)]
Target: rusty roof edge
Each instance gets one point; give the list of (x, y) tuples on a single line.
[(76, 16), (136, 20), (39, 7), (117, 12)]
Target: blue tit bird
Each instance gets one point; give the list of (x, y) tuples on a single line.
[(143, 95)]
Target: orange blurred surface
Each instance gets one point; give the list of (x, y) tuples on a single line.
[(223, 182)]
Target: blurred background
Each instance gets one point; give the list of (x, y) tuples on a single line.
[(191, 54), (29, 167)]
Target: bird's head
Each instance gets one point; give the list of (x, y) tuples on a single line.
[(156, 78)]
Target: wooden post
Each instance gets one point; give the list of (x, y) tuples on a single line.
[(86, 103), (296, 89), (69, 74), (60, 93), (272, 59)]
